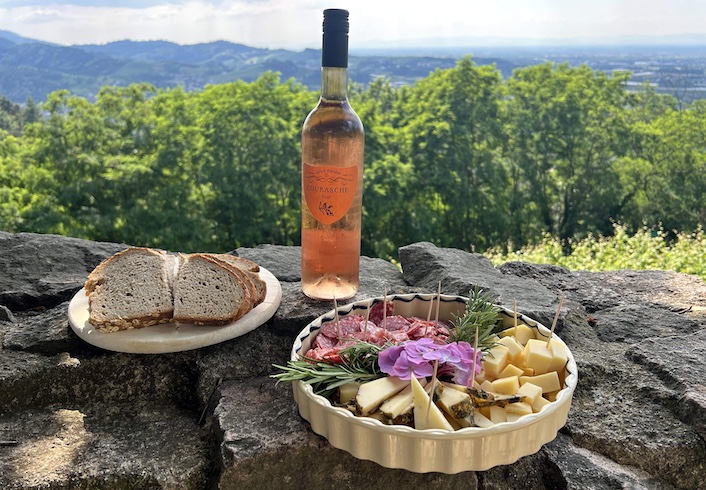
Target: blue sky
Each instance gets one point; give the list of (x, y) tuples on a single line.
[(296, 24)]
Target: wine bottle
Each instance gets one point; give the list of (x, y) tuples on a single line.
[(332, 175)]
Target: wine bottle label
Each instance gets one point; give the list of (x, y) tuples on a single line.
[(329, 191)]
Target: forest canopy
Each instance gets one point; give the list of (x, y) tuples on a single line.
[(462, 158)]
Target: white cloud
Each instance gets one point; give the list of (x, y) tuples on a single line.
[(295, 24)]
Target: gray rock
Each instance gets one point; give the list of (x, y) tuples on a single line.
[(213, 418), (45, 270), (46, 332), (6, 315)]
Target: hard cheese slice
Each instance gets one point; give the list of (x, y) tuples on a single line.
[(427, 415)]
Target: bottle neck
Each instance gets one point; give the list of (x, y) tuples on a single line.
[(334, 83)]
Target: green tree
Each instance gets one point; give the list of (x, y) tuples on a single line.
[(251, 160), (451, 130), (565, 129)]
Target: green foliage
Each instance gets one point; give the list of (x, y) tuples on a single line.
[(544, 161), (645, 249)]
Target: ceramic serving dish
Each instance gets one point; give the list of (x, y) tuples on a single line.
[(422, 451)]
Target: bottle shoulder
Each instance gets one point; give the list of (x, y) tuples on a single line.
[(333, 116)]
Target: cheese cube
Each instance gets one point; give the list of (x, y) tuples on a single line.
[(522, 335), (506, 386), (531, 392), (485, 411), (511, 370), (519, 408), (548, 382), (559, 355), (495, 361), (497, 415), (538, 356), (486, 386), (539, 403), (517, 355)]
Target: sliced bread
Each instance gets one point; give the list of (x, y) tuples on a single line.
[(251, 269), (131, 289), (206, 292)]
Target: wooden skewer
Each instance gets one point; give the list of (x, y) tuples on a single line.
[(514, 311), (367, 317), (431, 391), (556, 317), (384, 309), (475, 357), (438, 304), (431, 305), (335, 313)]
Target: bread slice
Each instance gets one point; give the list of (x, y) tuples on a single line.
[(251, 269), (250, 289), (131, 289), (207, 293)]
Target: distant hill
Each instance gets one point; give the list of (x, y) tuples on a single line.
[(34, 68)]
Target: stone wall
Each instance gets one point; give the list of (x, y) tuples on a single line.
[(73, 416)]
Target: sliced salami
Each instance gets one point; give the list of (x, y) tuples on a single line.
[(376, 312)]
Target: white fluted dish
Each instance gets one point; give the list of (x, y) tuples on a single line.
[(431, 450)]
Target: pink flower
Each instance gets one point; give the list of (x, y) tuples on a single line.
[(417, 358)]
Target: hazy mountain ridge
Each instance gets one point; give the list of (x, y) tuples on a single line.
[(35, 68)]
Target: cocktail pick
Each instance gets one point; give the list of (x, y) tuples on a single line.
[(384, 309), (556, 317), (335, 315), (475, 358), (514, 314), (367, 317), (433, 384)]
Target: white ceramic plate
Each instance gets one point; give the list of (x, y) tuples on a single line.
[(431, 450), (173, 337)]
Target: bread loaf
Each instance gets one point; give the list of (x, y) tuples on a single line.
[(140, 287)]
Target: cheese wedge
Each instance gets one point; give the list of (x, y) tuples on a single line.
[(347, 392), (455, 403), (398, 404), (427, 415), (371, 394)]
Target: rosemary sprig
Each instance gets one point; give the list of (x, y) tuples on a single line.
[(358, 363), (480, 314)]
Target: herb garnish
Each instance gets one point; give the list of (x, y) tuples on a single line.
[(358, 363), (480, 314)]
